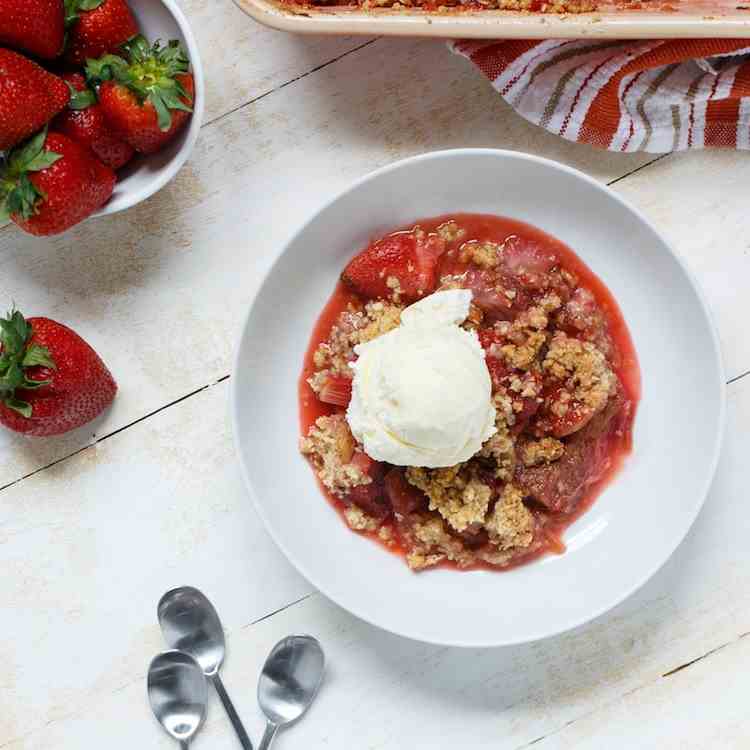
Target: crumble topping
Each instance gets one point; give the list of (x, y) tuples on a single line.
[(533, 6), (458, 496), (522, 355), (385, 534), (475, 317), (583, 367), (450, 231), (482, 254), (526, 335), (500, 447), (432, 544), (416, 559), (510, 524), (543, 451), (353, 327), (330, 446), (359, 520), (394, 285), (526, 385)]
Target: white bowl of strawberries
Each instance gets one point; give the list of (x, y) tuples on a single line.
[(101, 102)]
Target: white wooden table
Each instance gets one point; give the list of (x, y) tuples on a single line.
[(96, 525)]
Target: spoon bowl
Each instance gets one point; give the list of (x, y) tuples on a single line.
[(289, 682), (178, 693), (190, 623)]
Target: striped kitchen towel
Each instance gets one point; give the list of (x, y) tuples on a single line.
[(658, 95)]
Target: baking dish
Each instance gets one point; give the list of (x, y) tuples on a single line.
[(719, 19)]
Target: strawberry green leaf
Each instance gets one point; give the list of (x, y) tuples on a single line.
[(104, 69), (22, 407), (21, 328), (42, 161), (173, 101), (80, 99), (26, 152), (137, 48), (73, 9), (164, 118), (31, 156), (17, 355), (38, 356), (18, 195), (23, 198)]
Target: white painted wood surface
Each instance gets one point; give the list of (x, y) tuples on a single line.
[(94, 526)]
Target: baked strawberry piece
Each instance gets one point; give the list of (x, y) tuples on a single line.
[(401, 267)]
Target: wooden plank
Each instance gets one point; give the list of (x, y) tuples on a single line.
[(160, 290), (699, 707), (243, 60), (90, 545)]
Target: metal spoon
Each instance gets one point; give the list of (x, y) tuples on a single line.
[(290, 679), (189, 623), (178, 693)]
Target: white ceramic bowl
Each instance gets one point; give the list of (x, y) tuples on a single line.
[(145, 175), (634, 525)]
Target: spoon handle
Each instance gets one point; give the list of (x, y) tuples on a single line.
[(184, 745), (232, 714), (268, 736)]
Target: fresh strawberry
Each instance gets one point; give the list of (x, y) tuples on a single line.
[(51, 183), (35, 26), (96, 27), (85, 123), (336, 391), (29, 98), (51, 380), (401, 266), (146, 96)]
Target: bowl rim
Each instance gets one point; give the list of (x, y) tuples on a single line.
[(170, 170), (669, 550)]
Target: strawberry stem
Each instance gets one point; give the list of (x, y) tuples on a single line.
[(16, 356)]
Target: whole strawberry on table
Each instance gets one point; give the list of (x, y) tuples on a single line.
[(131, 97), (51, 380)]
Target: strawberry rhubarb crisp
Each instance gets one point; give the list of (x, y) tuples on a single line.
[(527, 6), (468, 390)]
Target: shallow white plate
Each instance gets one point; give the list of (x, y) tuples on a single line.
[(633, 527)]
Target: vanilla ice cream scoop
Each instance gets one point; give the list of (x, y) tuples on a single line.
[(421, 394)]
